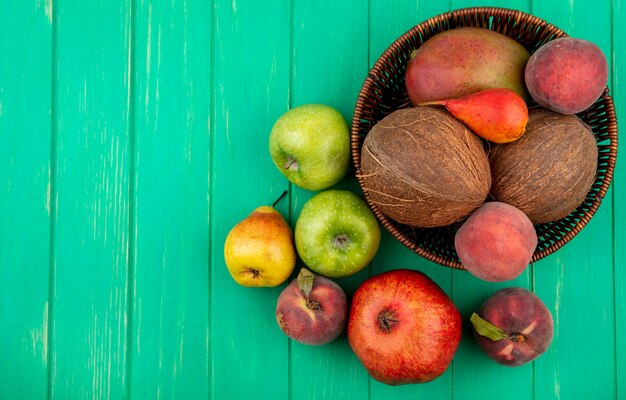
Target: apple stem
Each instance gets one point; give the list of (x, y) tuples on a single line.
[(341, 241), (291, 163), (279, 199)]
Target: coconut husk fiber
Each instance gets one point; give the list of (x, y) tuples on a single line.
[(422, 167), (548, 172)]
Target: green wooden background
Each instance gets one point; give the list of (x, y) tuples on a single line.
[(133, 136)]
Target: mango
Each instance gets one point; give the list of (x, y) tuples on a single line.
[(462, 61)]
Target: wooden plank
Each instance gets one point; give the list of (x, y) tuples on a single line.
[(389, 23), (250, 66), (618, 58), (472, 365), (475, 374), (90, 199), (330, 45), (522, 5), (171, 93), (320, 78), (107, 206), (577, 282), (24, 197), (386, 25)]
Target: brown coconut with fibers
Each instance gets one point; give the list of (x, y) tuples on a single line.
[(548, 172), (422, 167)]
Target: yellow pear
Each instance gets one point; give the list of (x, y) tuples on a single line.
[(259, 250)]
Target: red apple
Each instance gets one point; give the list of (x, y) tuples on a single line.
[(403, 327), (312, 309), (513, 326)]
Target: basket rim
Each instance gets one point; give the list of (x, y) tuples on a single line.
[(456, 15)]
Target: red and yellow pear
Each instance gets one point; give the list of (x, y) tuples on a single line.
[(259, 251), (498, 115)]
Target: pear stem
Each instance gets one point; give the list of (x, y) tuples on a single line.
[(279, 199), (433, 103)]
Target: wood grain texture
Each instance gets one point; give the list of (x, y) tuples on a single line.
[(171, 93), (618, 58), (133, 137), (577, 282), (251, 62), (90, 199), (329, 64), (25, 85)]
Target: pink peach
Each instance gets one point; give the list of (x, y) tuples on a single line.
[(496, 242)]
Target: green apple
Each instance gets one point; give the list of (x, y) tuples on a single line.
[(310, 145), (336, 234)]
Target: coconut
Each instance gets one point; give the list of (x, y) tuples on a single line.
[(548, 171), (422, 167)]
